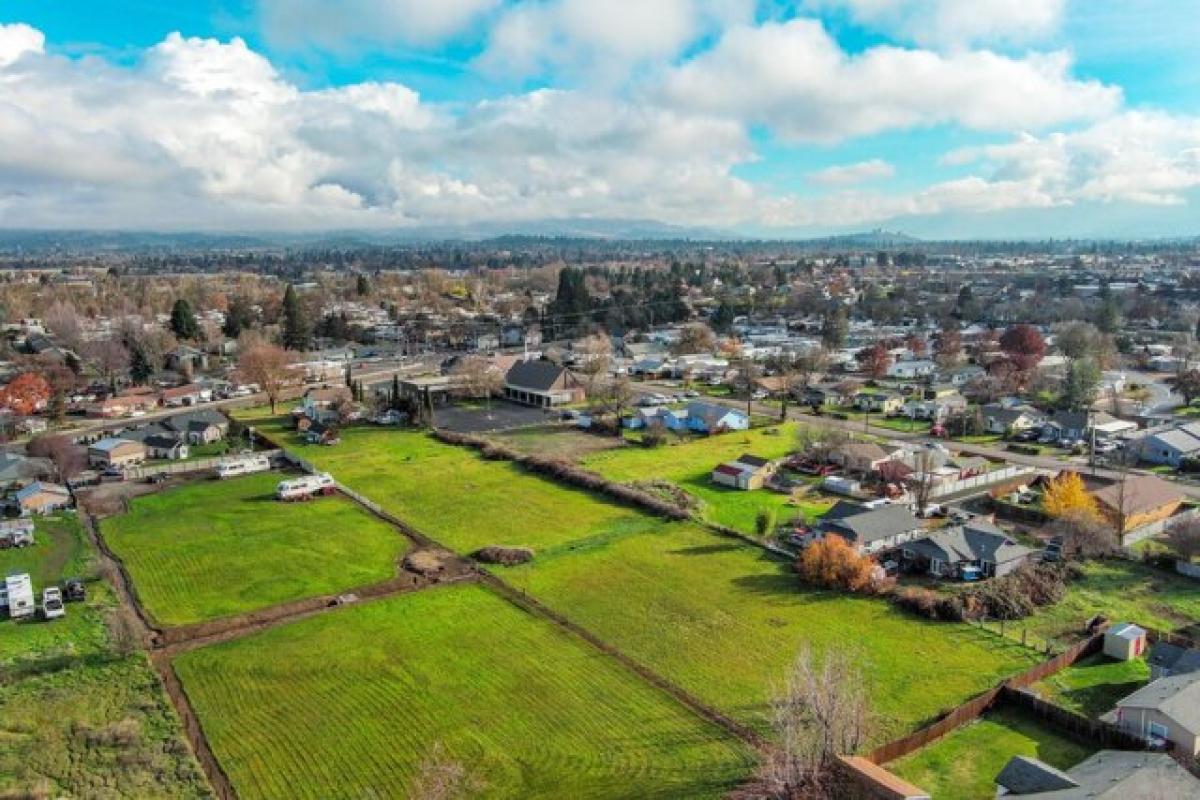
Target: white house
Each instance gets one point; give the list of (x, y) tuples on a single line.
[(908, 370)]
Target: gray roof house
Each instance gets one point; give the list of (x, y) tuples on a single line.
[(874, 530), (1107, 775), (977, 544), (541, 383), (16, 468), (998, 418), (1173, 446), (1168, 659), (1167, 709)]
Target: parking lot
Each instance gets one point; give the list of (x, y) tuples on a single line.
[(500, 416)]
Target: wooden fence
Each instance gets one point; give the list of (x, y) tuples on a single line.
[(977, 706), (1096, 733)]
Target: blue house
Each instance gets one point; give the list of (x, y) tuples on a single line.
[(700, 417)]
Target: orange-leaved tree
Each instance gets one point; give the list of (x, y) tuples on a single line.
[(25, 394), (1066, 495), (833, 563)]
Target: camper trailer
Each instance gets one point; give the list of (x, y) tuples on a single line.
[(305, 488), (19, 593), (242, 465)]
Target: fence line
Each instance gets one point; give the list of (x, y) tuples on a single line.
[(977, 706), (979, 481), (1081, 728), (195, 465)]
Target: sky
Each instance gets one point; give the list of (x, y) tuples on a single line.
[(773, 118)]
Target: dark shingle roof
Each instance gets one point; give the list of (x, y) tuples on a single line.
[(753, 461), (539, 376), (976, 541), (1022, 775), (1177, 660), (879, 523)]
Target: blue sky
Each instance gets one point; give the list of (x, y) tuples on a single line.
[(951, 118)]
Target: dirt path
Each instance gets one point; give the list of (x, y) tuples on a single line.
[(221, 785)]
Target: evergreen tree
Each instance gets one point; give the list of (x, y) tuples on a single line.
[(183, 320), (295, 326), (363, 286), (140, 368), (239, 317)]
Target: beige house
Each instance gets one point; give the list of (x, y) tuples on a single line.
[(1167, 709), (116, 453), (40, 497)]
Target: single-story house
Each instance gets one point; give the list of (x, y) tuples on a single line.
[(203, 426), (946, 553), (879, 402), (862, 457), (701, 417), (937, 409), (113, 452), (40, 497), (1165, 710), (907, 370), (823, 396), (1167, 659), (132, 402), (171, 447), (1003, 419), (1173, 446), (1142, 500), (17, 468), (1107, 775), (874, 530), (188, 395), (322, 405), (746, 473), (542, 383), (961, 376)]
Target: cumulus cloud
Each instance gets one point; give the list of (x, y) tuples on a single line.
[(381, 22), (848, 174), (794, 78), (607, 37), (954, 23), (18, 39)]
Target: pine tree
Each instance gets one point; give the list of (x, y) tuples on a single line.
[(363, 286), (183, 320), (140, 368), (295, 326), (239, 317)]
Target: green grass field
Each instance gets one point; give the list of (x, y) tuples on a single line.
[(690, 464), (217, 548), (459, 498), (347, 705), (963, 765), (722, 620), (60, 551), (104, 730), (1124, 591), (1092, 686)]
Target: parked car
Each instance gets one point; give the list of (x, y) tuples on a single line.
[(74, 591), (691, 394), (52, 603), (759, 395), (1026, 436)]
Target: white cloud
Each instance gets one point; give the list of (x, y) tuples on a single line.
[(18, 39), (954, 23), (794, 78), (382, 22), (849, 174), (605, 38)]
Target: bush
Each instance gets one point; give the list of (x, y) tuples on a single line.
[(765, 522), (654, 439), (834, 564), (1024, 449), (505, 556), (1014, 596)]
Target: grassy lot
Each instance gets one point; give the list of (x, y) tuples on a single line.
[(690, 465), (104, 730), (1124, 591), (557, 441), (963, 765), (216, 548), (459, 498), (60, 551), (1092, 686), (531, 711), (720, 619)]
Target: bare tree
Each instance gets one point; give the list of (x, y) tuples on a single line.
[(921, 482), (613, 397), (1085, 536), (821, 712), (440, 777), (819, 443), (267, 365), (595, 359), (1184, 538), (746, 379), (109, 357), (62, 320), (695, 338), (479, 376), (68, 458)]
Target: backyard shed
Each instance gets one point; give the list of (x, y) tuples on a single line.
[(1124, 641)]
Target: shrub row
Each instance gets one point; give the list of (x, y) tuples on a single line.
[(1014, 596), (567, 472)]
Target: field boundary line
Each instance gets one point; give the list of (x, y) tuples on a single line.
[(193, 730), (536, 608)]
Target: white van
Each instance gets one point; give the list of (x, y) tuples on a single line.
[(306, 487)]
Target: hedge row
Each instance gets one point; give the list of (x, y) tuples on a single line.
[(567, 472)]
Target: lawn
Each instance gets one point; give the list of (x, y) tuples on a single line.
[(347, 705), (556, 441), (217, 548), (103, 730), (1124, 591), (722, 620), (690, 464), (1092, 686), (459, 498), (60, 551), (963, 765)]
